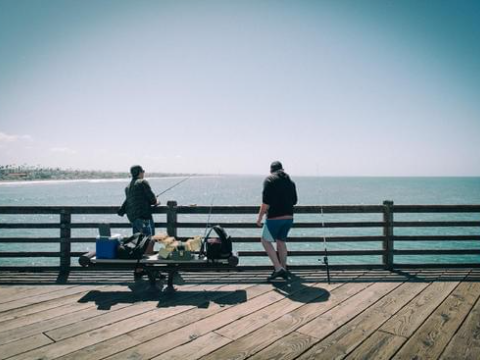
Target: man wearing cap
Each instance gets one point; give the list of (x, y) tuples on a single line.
[(278, 198), (139, 200)]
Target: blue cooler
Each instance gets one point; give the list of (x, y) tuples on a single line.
[(106, 247)]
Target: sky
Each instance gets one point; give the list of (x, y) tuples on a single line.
[(328, 87)]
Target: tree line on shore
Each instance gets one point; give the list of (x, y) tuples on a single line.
[(14, 172)]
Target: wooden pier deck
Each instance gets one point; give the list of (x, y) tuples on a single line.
[(362, 314)]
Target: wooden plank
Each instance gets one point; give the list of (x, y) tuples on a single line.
[(16, 293), (33, 240), (303, 239), (304, 209), (257, 340), (296, 225), (435, 238), (438, 252), (409, 319), (436, 223), (256, 239), (38, 298), (286, 342), (195, 349), (222, 317), (134, 308), (233, 209), (253, 321), (466, 265), (20, 346), (78, 313), (101, 334), (40, 307), (466, 342), (289, 347), (116, 339), (379, 346), (318, 253), (328, 322), (157, 330), (102, 349), (28, 275), (345, 339), (30, 226), (435, 208), (46, 310), (48, 209), (433, 336), (384, 343), (7, 291)]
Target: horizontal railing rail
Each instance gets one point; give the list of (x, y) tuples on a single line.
[(173, 221)]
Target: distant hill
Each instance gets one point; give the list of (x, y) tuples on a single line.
[(29, 173)]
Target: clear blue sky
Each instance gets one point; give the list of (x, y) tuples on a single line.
[(332, 87)]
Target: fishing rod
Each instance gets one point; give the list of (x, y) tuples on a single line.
[(325, 257), (208, 220), (202, 252), (174, 185), (210, 211)]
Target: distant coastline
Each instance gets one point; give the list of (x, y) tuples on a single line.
[(14, 173)]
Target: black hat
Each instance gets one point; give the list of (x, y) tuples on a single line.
[(135, 170), (275, 166)]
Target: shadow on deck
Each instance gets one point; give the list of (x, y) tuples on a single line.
[(361, 314)]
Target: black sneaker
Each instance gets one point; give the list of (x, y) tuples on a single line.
[(137, 275), (286, 274), (276, 274)]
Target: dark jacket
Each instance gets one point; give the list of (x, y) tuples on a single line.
[(280, 193), (139, 200)]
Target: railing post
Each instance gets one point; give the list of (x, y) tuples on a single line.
[(65, 237), (172, 218), (388, 234)]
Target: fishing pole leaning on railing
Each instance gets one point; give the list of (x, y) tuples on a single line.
[(325, 257), (207, 232)]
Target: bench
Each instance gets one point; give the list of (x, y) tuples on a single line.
[(153, 265)]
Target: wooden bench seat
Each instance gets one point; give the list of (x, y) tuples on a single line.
[(153, 265)]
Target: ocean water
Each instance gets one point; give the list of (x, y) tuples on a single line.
[(246, 190)]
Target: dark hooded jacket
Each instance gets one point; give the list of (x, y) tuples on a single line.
[(280, 193), (139, 201)]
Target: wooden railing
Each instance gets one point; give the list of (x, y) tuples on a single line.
[(386, 227)]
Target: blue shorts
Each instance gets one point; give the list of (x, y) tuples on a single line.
[(276, 229), (146, 227)]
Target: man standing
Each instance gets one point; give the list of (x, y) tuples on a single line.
[(139, 200), (278, 198)]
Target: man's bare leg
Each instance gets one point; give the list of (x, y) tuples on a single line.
[(272, 254), (282, 253)]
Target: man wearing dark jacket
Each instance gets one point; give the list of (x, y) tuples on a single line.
[(138, 203), (278, 198)]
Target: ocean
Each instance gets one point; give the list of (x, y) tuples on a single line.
[(246, 190)]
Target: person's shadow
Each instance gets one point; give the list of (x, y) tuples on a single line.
[(295, 290)]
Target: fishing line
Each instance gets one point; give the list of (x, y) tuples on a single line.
[(174, 185)]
